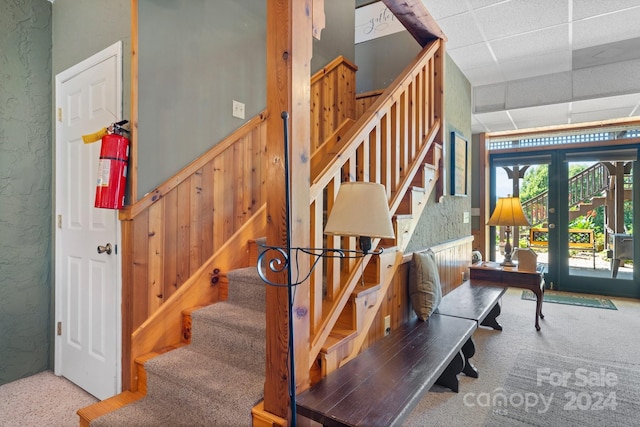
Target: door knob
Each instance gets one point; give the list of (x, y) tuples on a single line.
[(106, 248), (552, 226)]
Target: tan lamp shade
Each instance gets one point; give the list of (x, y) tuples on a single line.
[(360, 209), (508, 212)]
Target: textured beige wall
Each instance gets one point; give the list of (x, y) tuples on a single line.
[(441, 222)]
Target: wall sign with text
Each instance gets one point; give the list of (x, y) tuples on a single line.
[(375, 20)]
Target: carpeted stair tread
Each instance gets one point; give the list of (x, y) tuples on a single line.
[(219, 377), (232, 316), (159, 413), (147, 413), (191, 378), (246, 288), (231, 333)]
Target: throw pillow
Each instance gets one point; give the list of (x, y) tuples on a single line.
[(424, 284)]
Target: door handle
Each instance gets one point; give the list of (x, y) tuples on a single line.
[(106, 248), (552, 226)]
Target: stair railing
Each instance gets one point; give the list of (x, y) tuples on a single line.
[(583, 186), (387, 145), (587, 184)]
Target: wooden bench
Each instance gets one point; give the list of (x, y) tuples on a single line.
[(383, 384), (579, 239), (479, 303)]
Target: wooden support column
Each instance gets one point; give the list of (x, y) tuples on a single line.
[(515, 175), (483, 242), (619, 198), (415, 17), (289, 49)]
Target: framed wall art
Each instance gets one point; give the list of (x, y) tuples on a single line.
[(459, 162)]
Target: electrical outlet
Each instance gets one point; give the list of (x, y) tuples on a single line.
[(238, 109), (387, 325)]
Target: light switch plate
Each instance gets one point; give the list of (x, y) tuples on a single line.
[(238, 109)]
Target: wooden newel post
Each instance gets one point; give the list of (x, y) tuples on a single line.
[(289, 47)]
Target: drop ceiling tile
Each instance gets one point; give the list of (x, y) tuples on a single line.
[(496, 122), (477, 126), (461, 30), (623, 50), (588, 8), (606, 28), (481, 76), (474, 56), (596, 116), (613, 102), (518, 16), (443, 8), (550, 39), (540, 116), (541, 90), (489, 98), (607, 80), (478, 4), (524, 68)]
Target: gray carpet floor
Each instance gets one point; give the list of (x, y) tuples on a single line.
[(42, 400), (547, 390), (604, 337)]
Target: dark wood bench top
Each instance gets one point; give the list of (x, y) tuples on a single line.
[(383, 384), (470, 301)]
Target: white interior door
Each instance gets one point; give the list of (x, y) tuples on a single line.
[(88, 288)]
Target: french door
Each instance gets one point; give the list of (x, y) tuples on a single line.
[(581, 206), (597, 220)]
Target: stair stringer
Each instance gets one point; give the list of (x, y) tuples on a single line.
[(431, 150), (164, 327), (388, 269), (584, 208)]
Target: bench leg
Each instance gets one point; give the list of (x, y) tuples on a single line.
[(468, 350), (449, 377), (491, 320)]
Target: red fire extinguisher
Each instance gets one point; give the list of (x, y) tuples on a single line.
[(112, 168)]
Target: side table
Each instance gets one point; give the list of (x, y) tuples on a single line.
[(493, 274)]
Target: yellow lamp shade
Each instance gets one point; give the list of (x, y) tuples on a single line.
[(508, 212)]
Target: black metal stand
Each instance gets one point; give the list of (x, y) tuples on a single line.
[(282, 259)]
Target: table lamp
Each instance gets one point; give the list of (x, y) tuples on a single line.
[(508, 213), (361, 209)]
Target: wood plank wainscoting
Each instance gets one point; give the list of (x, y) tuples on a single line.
[(453, 259), (171, 234), (180, 239)]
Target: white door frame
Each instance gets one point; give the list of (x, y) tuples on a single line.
[(115, 50)]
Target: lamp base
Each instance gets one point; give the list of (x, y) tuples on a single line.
[(507, 252)]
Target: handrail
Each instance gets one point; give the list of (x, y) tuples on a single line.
[(170, 233), (588, 183), (332, 99), (387, 145), (340, 60), (583, 186)]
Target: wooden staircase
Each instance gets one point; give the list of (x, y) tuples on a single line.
[(584, 208), (396, 142), (588, 190)]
